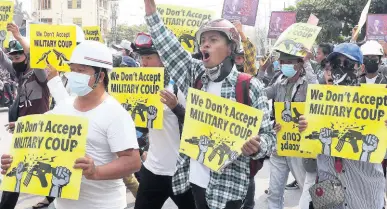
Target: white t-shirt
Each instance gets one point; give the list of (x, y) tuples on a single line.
[(199, 174), (371, 81), (164, 144), (111, 130)]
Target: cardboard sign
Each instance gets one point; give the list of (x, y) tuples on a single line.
[(221, 127), (44, 149), (51, 44), (346, 122), (138, 90), (184, 22)]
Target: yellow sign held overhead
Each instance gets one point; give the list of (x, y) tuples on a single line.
[(138, 90), (296, 38), (184, 22), (288, 138), (348, 122), (221, 127), (93, 33), (52, 44), (6, 16), (44, 150)]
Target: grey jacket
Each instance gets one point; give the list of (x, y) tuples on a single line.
[(277, 92)]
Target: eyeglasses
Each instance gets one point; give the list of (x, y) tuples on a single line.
[(143, 40)]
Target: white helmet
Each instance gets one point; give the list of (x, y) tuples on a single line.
[(126, 45), (92, 53), (372, 48), (80, 35)]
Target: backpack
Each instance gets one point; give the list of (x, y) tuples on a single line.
[(242, 90)]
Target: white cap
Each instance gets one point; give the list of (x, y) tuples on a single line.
[(92, 53), (372, 48), (126, 45)]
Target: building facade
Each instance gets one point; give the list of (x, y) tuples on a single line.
[(80, 12)]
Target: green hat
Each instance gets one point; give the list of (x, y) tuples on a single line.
[(285, 56), (15, 46)]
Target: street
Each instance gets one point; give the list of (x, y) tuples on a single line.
[(261, 181)]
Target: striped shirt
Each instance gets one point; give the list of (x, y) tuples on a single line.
[(363, 182), (233, 183)]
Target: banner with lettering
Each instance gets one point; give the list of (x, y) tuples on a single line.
[(44, 150), (51, 44), (221, 127), (279, 22), (346, 122), (296, 38), (287, 114), (138, 90), (244, 11), (184, 22), (93, 33)]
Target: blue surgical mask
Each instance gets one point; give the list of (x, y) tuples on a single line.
[(276, 66), (288, 70), (79, 83)]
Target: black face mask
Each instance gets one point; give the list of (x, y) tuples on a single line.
[(240, 68), (371, 66), (20, 67)]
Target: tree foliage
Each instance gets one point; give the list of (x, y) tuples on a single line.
[(126, 32), (337, 17)]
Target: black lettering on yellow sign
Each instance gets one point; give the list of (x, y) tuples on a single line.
[(70, 130), (92, 38)]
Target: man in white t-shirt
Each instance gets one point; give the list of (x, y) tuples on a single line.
[(111, 148), (160, 165)]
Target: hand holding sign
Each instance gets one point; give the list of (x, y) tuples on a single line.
[(14, 29), (238, 26), (88, 167), (252, 146), (168, 99), (6, 161)]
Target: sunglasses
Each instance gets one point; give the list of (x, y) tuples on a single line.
[(143, 40)]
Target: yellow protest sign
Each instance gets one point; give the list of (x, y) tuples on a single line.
[(296, 37), (138, 90), (216, 128), (6, 16), (287, 115), (184, 22), (51, 44), (92, 33), (373, 85), (346, 122), (44, 149)]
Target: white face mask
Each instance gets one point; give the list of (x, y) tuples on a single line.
[(79, 83)]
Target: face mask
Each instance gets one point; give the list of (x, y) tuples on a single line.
[(371, 66), (276, 66), (20, 67), (288, 70), (214, 73), (79, 83), (240, 68)]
